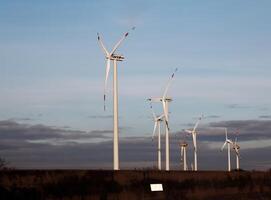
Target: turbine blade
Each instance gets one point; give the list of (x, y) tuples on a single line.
[(119, 42), (165, 114), (223, 145), (169, 82), (106, 79), (154, 129), (236, 151), (102, 44), (194, 140), (161, 117), (188, 131), (165, 111), (197, 123), (182, 149), (167, 126)]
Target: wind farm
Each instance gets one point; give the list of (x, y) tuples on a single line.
[(135, 100)]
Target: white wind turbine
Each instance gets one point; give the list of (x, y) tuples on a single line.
[(114, 57), (228, 142), (165, 100), (157, 125), (183, 146), (193, 132), (236, 148)]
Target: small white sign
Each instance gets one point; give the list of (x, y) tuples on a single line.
[(156, 187)]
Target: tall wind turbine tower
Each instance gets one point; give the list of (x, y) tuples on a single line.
[(228, 142), (157, 125), (183, 146), (236, 148), (193, 132), (165, 100), (111, 56)]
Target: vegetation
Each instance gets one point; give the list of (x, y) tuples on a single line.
[(132, 185)]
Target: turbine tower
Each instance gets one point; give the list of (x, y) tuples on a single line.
[(165, 100), (183, 146), (157, 125), (111, 56), (236, 148), (228, 142), (193, 132)]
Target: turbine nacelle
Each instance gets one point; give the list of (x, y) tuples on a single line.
[(115, 57), (160, 99), (183, 144)]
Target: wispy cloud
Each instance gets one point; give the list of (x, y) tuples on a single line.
[(237, 106), (212, 116), (21, 119), (265, 116), (100, 116)]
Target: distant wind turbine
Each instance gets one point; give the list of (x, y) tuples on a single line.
[(165, 100), (157, 125), (114, 57), (193, 132), (228, 142), (236, 148), (183, 146)]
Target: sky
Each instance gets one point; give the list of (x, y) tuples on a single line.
[(53, 70)]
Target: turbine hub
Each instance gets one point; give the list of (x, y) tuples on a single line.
[(117, 57)]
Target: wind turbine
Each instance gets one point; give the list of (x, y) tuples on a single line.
[(183, 146), (111, 56), (193, 132), (157, 125), (228, 142), (165, 100), (236, 148)]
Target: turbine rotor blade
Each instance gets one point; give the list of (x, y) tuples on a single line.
[(169, 82), (182, 150), (102, 44), (119, 42), (194, 140), (223, 145), (188, 131), (236, 151), (106, 79), (161, 117), (197, 123), (165, 111), (154, 129), (165, 114)]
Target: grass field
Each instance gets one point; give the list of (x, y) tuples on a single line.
[(132, 185)]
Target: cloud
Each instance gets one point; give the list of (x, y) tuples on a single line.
[(11, 130), (237, 106), (248, 129), (265, 116), (135, 152), (20, 119), (212, 116), (100, 116)]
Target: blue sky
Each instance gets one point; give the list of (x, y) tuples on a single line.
[(52, 69)]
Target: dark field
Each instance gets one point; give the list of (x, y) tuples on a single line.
[(130, 185)]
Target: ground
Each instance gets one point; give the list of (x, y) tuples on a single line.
[(133, 184)]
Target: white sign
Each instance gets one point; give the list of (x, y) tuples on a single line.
[(156, 187)]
